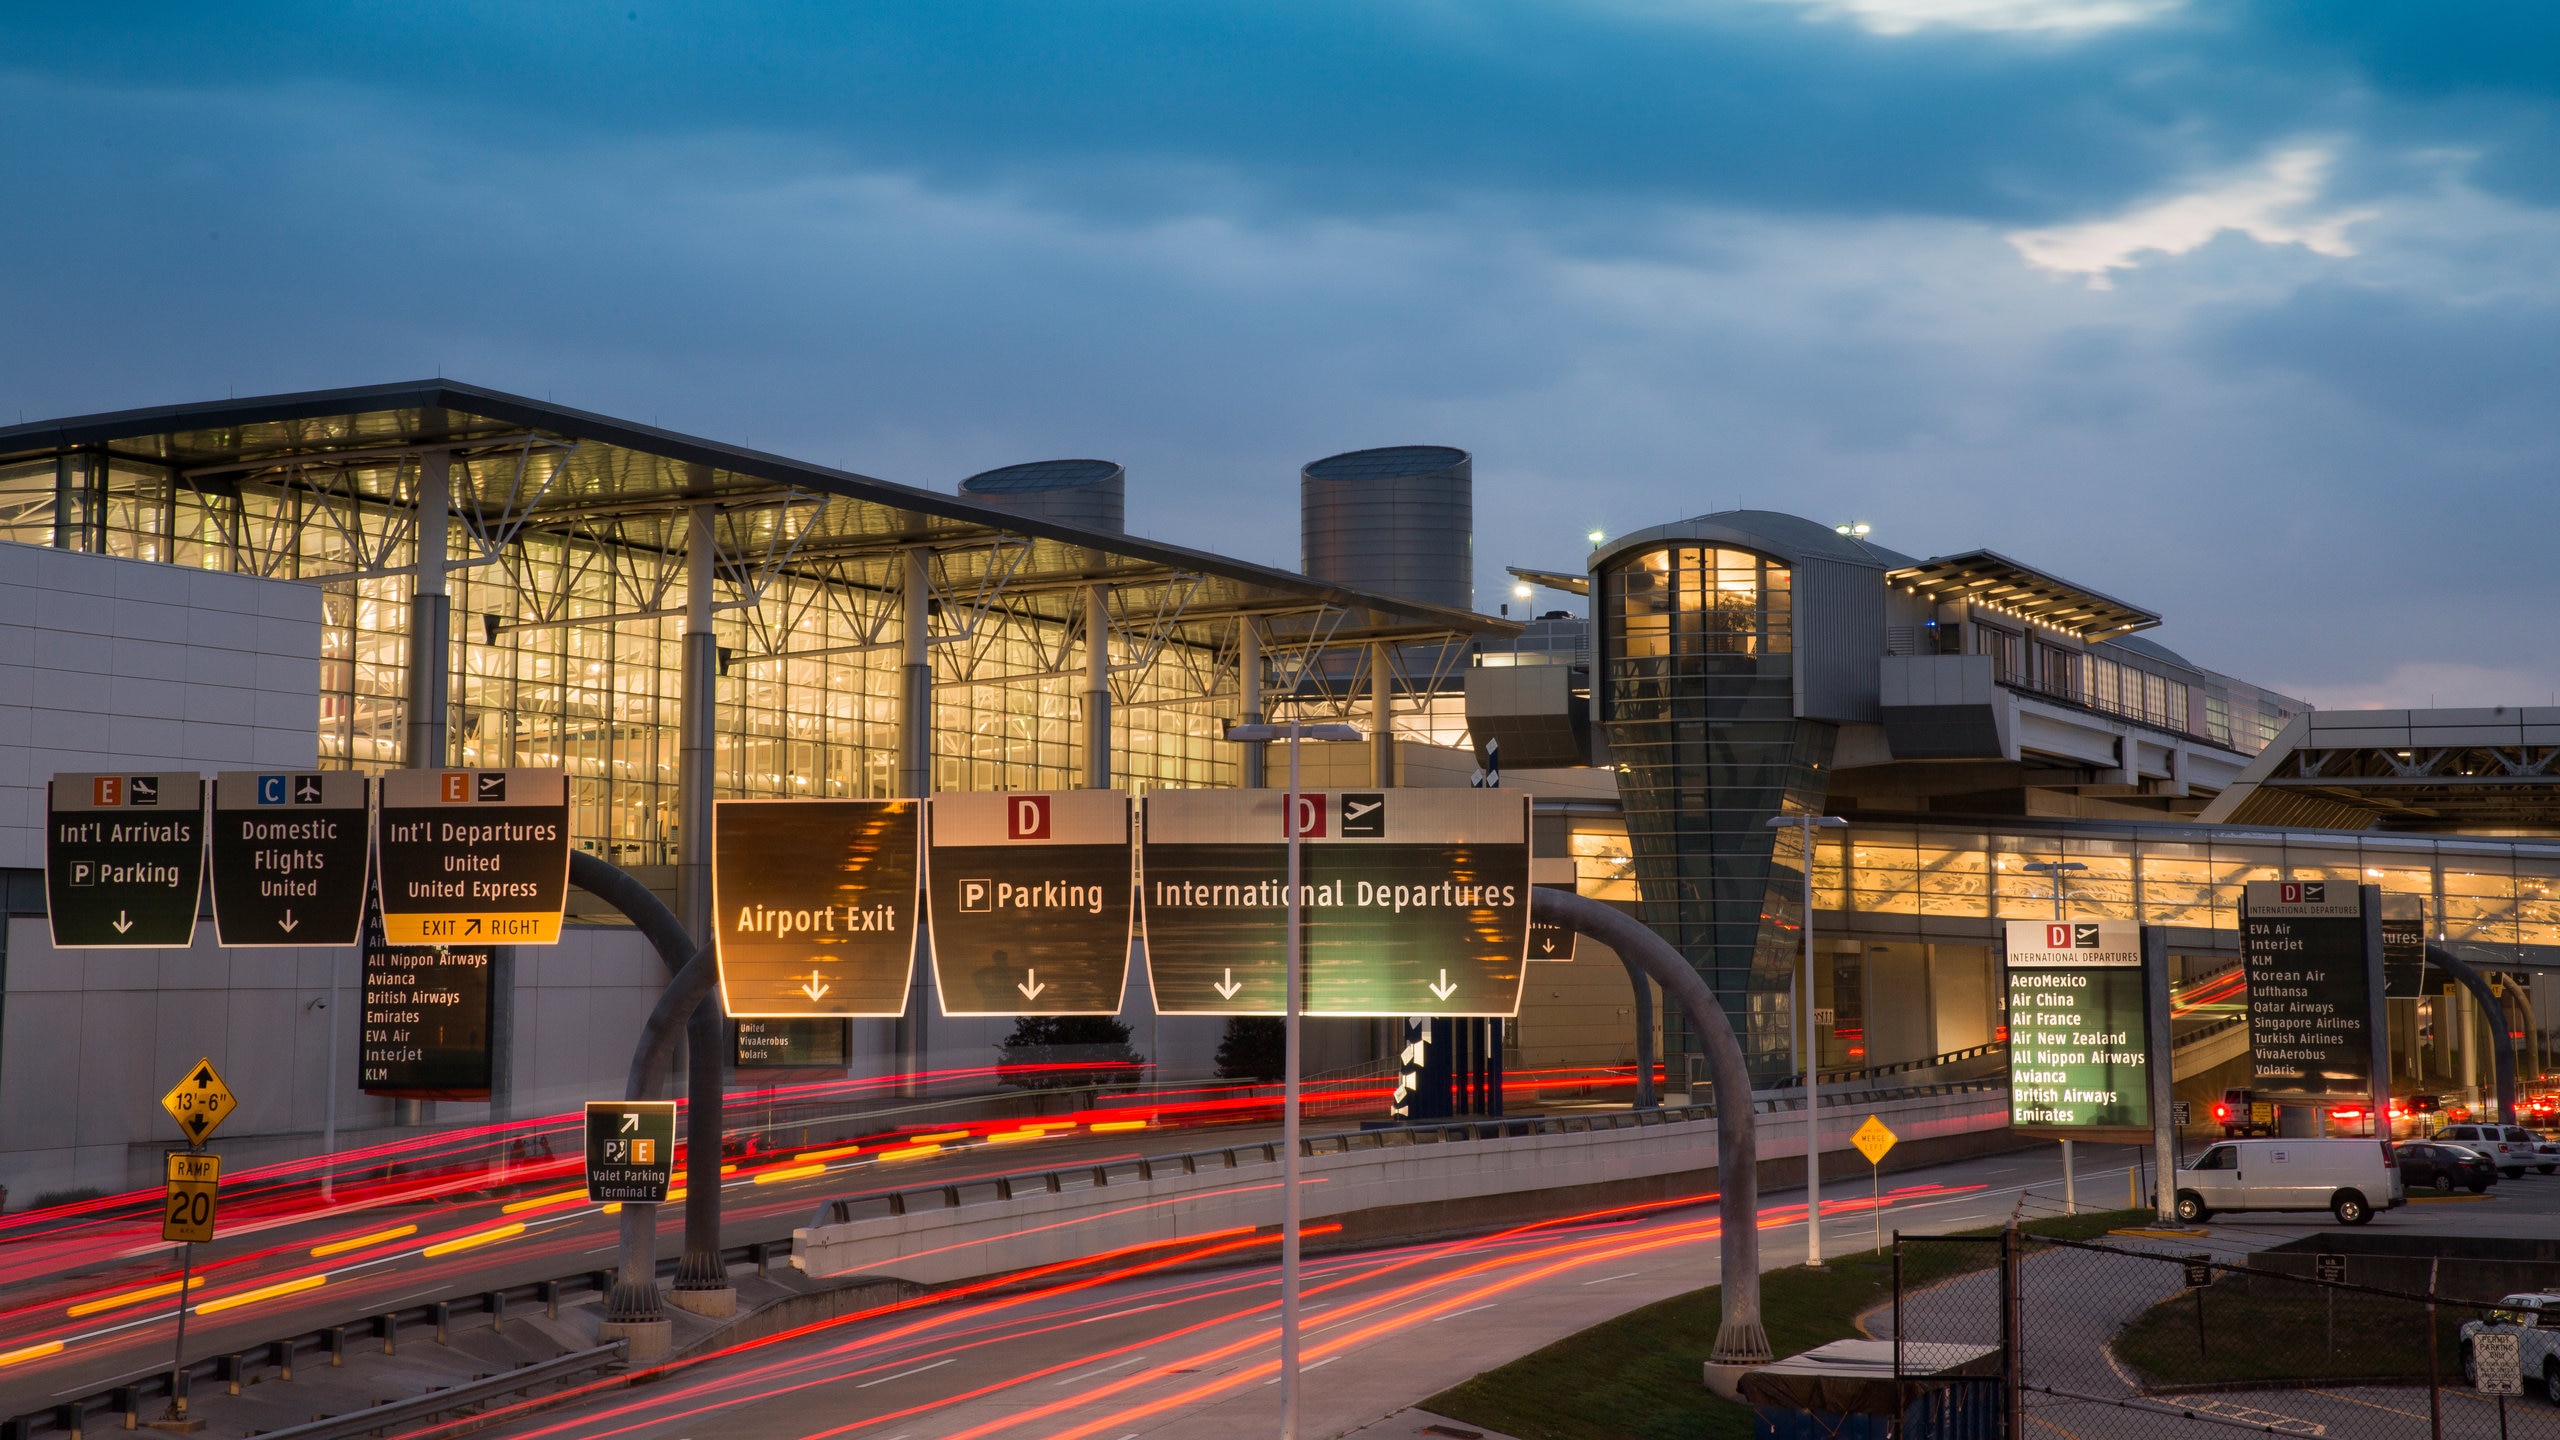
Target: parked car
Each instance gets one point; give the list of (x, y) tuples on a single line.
[(2423, 1162), (2348, 1178), (2491, 1143), (2546, 1154), (2537, 1349)]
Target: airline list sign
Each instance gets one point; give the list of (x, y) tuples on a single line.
[(2079, 1044), (2314, 990)]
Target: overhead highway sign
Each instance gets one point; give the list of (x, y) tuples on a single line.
[(1030, 909), (631, 1150), (815, 905), (123, 859), (473, 857), (200, 1102), (1415, 902), (289, 851)]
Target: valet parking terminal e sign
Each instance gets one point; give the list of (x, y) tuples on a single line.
[(2079, 1045), (1030, 901), (1414, 902)]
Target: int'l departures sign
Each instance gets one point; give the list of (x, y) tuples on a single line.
[(473, 857), (815, 905), (2079, 1040), (289, 856), (123, 859), (427, 1015), (1029, 901), (2313, 954), (1414, 902)]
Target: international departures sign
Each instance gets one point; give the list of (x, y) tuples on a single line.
[(1415, 902), (473, 857), (123, 859), (289, 856), (2079, 1041), (815, 905), (2314, 962), (1029, 901)]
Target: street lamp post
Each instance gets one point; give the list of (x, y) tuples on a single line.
[(1807, 822), (1293, 732), (2056, 870)]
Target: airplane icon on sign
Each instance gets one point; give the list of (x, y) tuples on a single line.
[(306, 790)]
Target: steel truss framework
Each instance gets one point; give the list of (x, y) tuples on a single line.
[(2441, 787), (569, 581)]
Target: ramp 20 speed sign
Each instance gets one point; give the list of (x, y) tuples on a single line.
[(473, 857), (1415, 902)]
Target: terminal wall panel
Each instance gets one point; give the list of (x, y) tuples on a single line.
[(1839, 633), (109, 664)]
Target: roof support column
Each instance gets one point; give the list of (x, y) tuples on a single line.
[(1097, 687), (430, 616), (915, 782), (702, 1281), (1382, 735), (1249, 695)]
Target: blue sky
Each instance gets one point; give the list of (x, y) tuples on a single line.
[(2245, 313)]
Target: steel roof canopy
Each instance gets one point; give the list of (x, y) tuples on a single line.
[(646, 477), (1990, 576)]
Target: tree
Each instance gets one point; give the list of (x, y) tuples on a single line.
[(1066, 1052), (1255, 1048)]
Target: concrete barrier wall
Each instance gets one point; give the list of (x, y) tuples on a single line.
[(988, 1233)]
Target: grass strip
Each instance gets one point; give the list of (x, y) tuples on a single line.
[(1638, 1377)]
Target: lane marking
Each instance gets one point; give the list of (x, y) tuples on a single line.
[(1107, 1369), (903, 1374), (1454, 1314), (1605, 1279)]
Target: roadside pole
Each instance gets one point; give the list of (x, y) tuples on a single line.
[(1289, 1208), (199, 1103), (2164, 1119)]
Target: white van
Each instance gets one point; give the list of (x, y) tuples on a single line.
[(2348, 1178)]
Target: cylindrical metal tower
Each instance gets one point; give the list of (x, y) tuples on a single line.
[(1398, 520), (1090, 493)]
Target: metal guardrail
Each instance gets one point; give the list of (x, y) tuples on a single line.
[(881, 1204), (1843, 1077), (436, 1402)]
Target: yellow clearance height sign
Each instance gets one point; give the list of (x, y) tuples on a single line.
[(200, 1103), (188, 1215), (473, 857)]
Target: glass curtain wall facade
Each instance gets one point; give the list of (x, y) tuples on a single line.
[(1698, 695), (602, 700)]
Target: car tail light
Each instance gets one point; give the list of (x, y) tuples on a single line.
[(2221, 1112)]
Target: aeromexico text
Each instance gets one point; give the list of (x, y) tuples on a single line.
[(1331, 895)]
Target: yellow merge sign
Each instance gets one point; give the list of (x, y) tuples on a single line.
[(200, 1103), (1873, 1140), (192, 1179)]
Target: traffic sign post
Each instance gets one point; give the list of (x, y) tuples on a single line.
[(814, 905), (289, 857), (1414, 902), (123, 859), (188, 1216), (473, 857), (1875, 1140), (631, 1150), (200, 1103), (1029, 901)]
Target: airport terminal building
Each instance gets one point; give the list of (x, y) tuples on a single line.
[(431, 573)]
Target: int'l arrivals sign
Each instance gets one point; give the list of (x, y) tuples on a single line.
[(123, 859), (1414, 902), (2079, 1044), (2314, 958), (1030, 901)]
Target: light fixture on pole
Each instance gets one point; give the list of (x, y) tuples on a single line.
[(1292, 827), (1808, 822), (2057, 871)]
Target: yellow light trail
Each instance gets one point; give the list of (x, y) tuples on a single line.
[(263, 1292), (130, 1297), (341, 1247), (937, 1136), (910, 1152), (1007, 1137), (472, 1241), (795, 1172), (1103, 1126), (31, 1352), (837, 1153), (544, 1202)]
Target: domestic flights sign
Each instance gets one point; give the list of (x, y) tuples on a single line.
[(631, 1150), (2079, 1046), (815, 903), (289, 856), (473, 857), (1415, 902), (1029, 901), (2315, 987), (123, 859)]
